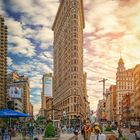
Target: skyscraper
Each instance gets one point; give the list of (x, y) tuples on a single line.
[(69, 89), (46, 96), (3, 62), (47, 88)]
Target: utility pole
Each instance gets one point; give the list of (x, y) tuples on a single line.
[(104, 80)]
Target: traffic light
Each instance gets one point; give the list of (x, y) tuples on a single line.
[(10, 105)]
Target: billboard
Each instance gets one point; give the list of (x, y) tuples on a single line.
[(15, 92), (48, 85)]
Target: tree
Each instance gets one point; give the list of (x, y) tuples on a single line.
[(49, 131)]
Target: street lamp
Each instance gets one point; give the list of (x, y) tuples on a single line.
[(65, 117), (77, 113)]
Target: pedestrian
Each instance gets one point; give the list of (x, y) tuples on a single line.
[(76, 132), (97, 131), (31, 130), (87, 130), (120, 132), (2, 133), (83, 130), (112, 137), (10, 132)]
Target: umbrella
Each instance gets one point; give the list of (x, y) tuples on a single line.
[(7, 113)]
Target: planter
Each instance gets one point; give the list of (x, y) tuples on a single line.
[(55, 138), (108, 132)]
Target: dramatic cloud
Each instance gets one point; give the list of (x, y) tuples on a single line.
[(112, 26), (10, 61)]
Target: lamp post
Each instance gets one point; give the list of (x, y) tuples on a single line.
[(64, 116), (77, 112)]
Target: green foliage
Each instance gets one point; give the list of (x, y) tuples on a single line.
[(49, 131), (40, 119), (108, 128), (101, 128), (13, 120)]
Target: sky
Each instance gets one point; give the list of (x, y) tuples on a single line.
[(111, 27)]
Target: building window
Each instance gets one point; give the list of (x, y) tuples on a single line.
[(74, 76), (71, 99), (75, 82), (74, 99), (74, 15), (74, 107)]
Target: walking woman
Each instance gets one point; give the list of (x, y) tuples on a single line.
[(97, 131), (87, 130)]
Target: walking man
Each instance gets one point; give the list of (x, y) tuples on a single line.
[(87, 130)]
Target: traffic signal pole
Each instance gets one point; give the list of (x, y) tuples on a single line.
[(103, 81)]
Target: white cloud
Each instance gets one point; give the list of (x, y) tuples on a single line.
[(45, 35), (33, 69), (36, 81), (37, 107), (21, 46), (12, 25), (10, 61)]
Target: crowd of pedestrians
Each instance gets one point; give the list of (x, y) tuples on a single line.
[(95, 128), (104, 131), (6, 133)]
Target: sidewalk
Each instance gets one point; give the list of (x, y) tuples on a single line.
[(80, 137), (19, 137), (64, 136)]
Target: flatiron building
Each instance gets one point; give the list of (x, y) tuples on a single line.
[(69, 83)]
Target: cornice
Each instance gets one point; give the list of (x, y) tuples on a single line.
[(59, 9)]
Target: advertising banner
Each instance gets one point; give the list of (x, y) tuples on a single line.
[(15, 92)]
